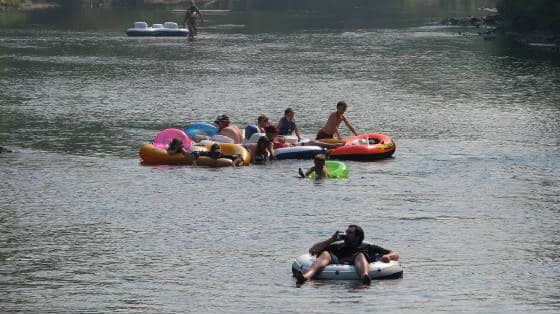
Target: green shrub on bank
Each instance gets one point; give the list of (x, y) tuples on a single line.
[(530, 15)]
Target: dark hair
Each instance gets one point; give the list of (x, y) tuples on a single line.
[(174, 146), (262, 145), (215, 150), (262, 117), (359, 232), (220, 118), (288, 111), (270, 129), (342, 103), (321, 157), (215, 147)]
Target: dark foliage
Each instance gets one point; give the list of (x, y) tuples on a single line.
[(531, 15)]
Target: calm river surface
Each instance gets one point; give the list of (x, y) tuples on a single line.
[(470, 199)]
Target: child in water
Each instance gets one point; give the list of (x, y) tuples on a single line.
[(263, 151), (319, 168)]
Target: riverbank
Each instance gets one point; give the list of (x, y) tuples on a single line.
[(493, 26), (31, 5)]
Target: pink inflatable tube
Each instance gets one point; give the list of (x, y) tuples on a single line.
[(163, 138)]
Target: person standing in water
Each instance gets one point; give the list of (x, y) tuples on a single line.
[(191, 15), (335, 118)]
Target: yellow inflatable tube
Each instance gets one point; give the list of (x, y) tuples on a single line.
[(226, 148), (151, 155)]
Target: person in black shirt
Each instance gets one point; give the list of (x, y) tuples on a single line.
[(352, 251)]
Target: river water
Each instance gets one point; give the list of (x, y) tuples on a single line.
[(470, 199)]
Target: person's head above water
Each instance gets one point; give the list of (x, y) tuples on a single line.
[(354, 235), (271, 131), (320, 160), (215, 150), (175, 146), (262, 119), (341, 107), (222, 121), (262, 145), (288, 110)]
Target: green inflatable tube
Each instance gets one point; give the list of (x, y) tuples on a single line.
[(336, 170)]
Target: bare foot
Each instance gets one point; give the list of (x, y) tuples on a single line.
[(366, 280)]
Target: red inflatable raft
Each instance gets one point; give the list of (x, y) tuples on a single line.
[(364, 147)]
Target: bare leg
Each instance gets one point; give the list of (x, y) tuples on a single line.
[(192, 29), (362, 268), (321, 262)]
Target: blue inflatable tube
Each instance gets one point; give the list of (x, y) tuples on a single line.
[(299, 152), (201, 128), (250, 130)]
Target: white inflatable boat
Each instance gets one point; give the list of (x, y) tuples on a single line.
[(379, 270), (299, 152), (158, 30)]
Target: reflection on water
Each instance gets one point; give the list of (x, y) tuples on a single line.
[(469, 201)]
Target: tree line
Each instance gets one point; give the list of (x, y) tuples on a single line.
[(517, 15), (530, 15)]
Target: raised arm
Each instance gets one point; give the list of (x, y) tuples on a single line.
[(321, 246)]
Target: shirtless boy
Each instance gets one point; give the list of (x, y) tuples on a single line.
[(335, 118)]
